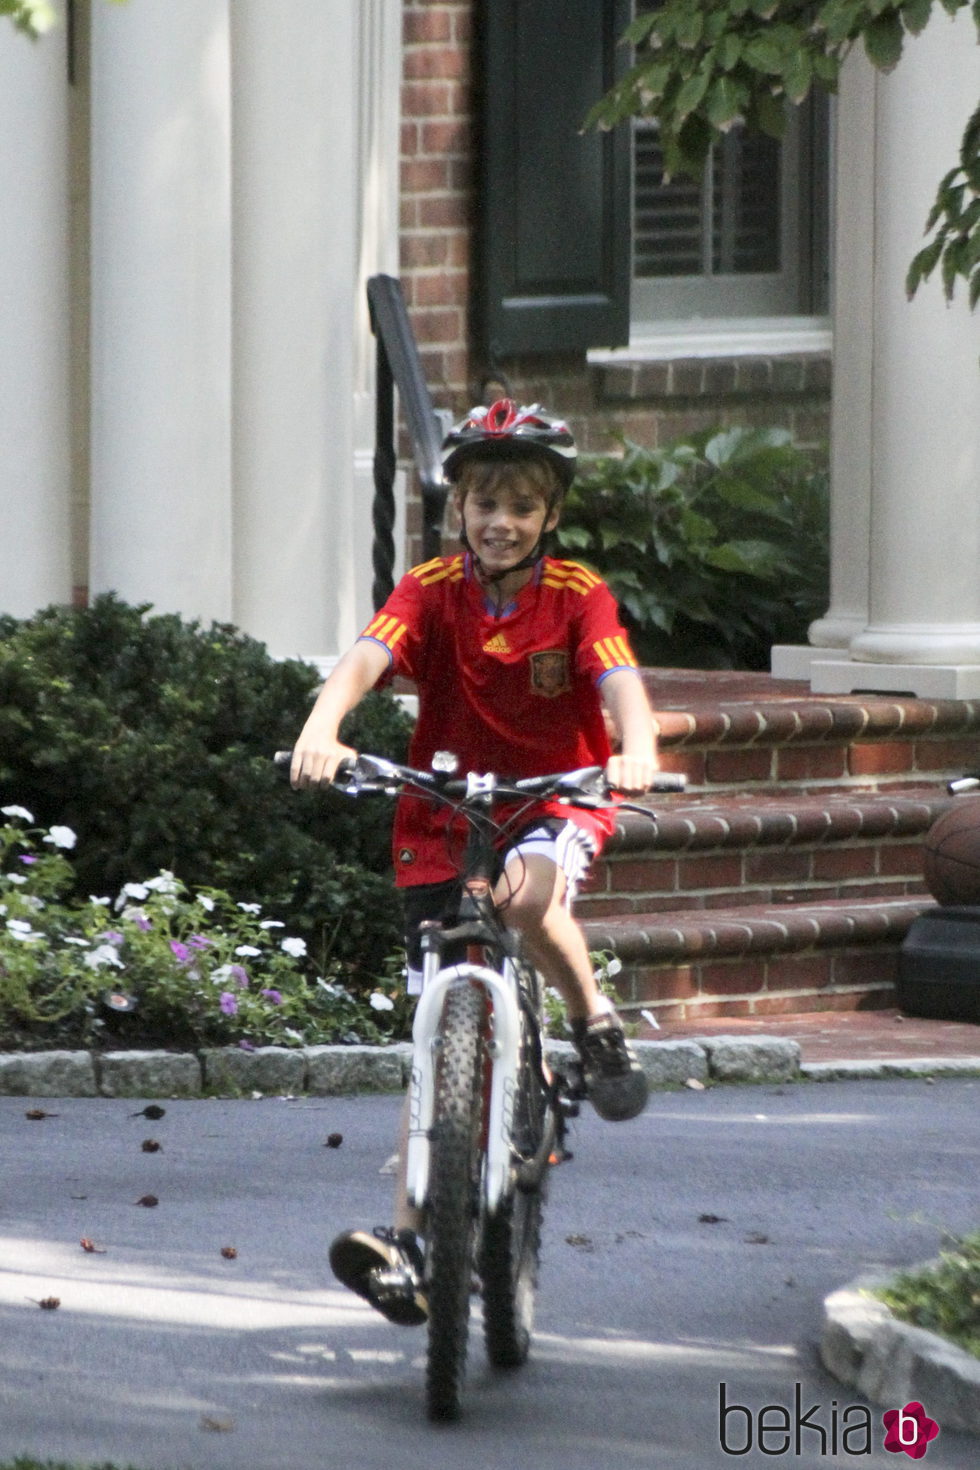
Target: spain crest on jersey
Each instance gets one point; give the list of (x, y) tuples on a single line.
[(550, 672)]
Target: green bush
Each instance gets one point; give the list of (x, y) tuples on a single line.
[(715, 547), (151, 738), (943, 1297)]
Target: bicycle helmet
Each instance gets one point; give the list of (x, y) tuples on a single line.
[(505, 431)]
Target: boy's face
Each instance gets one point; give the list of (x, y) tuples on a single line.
[(504, 522)]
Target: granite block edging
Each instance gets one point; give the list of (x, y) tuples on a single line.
[(338, 1070), (894, 1363)]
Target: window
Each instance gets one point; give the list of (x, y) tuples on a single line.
[(749, 240)]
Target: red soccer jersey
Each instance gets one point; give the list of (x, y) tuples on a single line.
[(516, 692)]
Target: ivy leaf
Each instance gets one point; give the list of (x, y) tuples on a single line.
[(726, 101), (764, 55), (883, 40), (798, 77), (915, 14), (691, 94)]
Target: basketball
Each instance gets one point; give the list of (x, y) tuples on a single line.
[(951, 854)]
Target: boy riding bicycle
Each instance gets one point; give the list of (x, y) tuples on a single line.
[(515, 656)]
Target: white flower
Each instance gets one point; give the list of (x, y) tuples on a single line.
[(207, 904), (73, 939), (17, 811), (21, 929), (165, 882), (380, 1002), (272, 924), (16, 878), (294, 947), (250, 908), (60, 837), (99, 902), (247, 949), (106, 954), (132, 890)]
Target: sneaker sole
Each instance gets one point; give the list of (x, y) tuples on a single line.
[(352, 1261), (618, 1101)]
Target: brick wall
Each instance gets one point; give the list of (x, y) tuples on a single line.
[(650, 402)]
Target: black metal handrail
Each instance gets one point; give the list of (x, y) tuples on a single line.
[(398, 364)]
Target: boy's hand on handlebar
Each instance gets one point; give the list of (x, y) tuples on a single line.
[(631, 773), (315, 763)]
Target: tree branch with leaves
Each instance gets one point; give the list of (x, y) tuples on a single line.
[(704, 68)]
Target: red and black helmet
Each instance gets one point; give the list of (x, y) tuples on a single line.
[(505, 431)]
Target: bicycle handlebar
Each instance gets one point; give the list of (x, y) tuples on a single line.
[(586, 787)]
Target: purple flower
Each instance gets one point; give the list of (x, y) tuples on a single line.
[(246, 1045), (112, 936), (181, 951), (239, 975), (199, 941), (142, 922), (228, 1003), (274, 997), (26, 858)]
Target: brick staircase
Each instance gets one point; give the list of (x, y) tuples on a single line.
[(785, 878)]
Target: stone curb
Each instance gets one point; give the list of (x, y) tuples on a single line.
[(323, 1071), (337, 1070), (893, 1363)]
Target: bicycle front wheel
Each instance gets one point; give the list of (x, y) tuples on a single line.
[(454, 1196)]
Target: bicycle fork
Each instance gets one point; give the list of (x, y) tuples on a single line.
[(504, 1048)]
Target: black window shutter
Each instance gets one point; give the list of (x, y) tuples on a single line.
[(553, 203)]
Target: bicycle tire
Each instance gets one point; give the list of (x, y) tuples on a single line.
[(453, 1204), (511, 1239)]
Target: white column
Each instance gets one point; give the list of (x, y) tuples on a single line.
[(850, 436), (161, 292), (296, 301), (34, 392), (380, 24), (924, 614)]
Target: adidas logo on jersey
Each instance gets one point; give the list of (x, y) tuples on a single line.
[(497, 644)]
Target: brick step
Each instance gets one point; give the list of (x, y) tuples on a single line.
[(763, 959), (724, 729), (743, 848)]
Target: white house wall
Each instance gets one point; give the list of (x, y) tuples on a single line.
[(232, 228), (34, 417)]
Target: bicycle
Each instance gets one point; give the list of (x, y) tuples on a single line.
[(487, 1116)]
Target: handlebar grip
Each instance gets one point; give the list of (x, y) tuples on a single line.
[(283, 759), (669, 781)]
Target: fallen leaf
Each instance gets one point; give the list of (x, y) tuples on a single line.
[(334, 1140), (36, 1114), (152, 1111), (48, 1303), (147, 1201), (217, 1424), (708, 1219), (757, 1238), (695, 1084), (229, 1252), (150, 1146), (91, 1247), (583, 1242)]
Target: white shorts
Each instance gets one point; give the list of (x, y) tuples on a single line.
[(569, 846)]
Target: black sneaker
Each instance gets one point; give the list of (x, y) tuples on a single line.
[(614, 1080), (386, 1268)]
